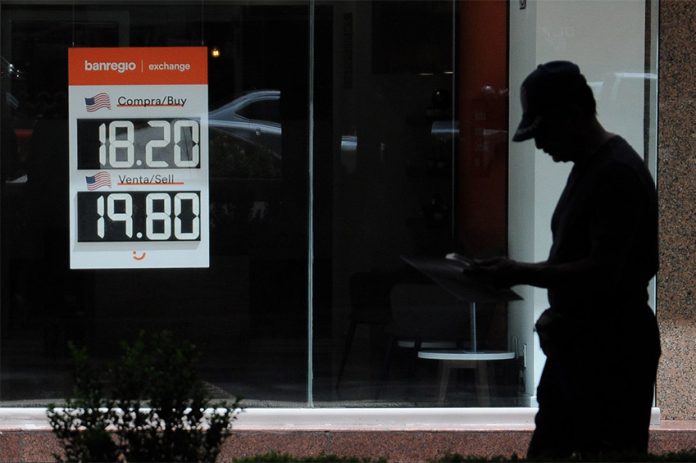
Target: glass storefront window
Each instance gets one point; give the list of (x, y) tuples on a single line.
[(345, 137), (426, 106), (247, 311)]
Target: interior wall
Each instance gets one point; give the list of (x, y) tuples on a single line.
[(522, 222), (482, 109), (607, 40)]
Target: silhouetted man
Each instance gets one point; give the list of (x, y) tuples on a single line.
[(599, 334)]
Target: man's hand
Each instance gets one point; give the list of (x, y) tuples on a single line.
[(498, 271)]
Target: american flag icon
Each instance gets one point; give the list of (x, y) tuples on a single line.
[(98, 101), (98, 180)]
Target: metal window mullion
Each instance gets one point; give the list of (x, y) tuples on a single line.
[(310, 214)]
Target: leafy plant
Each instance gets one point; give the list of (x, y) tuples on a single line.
[(81, 425), (156, 408)]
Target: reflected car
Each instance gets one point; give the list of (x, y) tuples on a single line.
[(349, 144), (254, 118)]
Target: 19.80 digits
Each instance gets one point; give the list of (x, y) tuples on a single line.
[(138, 216)]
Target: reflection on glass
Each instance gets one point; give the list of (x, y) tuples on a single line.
[(253, 118), (247, 312), (416, 95), (409, 159)]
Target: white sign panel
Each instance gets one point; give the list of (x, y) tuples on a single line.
[(138, 158)]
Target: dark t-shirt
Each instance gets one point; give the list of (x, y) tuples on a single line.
[(601, 336), (608, 210)]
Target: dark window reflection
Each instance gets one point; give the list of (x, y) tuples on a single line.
[(247, 312), (409, 159), (417, 112)]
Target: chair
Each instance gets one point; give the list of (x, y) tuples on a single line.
[(451, 359), (469, 293), (369, 301), (472, 358), (424, 317)]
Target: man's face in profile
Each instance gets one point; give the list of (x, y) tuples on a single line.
[(555, 134), (555, 137)]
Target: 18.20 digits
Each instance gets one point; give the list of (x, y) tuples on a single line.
[(138, 143)]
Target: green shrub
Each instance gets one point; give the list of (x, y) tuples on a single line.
[(456, 458), (274, 457), (155, 407)]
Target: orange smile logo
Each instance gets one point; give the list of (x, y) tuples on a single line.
[(139, 257)]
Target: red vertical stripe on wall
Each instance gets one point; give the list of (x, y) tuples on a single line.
[(481, 213)]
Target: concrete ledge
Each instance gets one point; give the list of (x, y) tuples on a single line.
[(341, 419), (386, 419)]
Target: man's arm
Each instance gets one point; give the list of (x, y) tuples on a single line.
[(615, 223), (507, 272)]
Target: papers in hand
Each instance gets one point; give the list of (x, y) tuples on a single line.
[(452, 275), (463, 261)]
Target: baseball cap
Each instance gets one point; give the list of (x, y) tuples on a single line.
[(551, 88)]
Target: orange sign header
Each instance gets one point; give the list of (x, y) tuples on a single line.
[(138, 66)]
